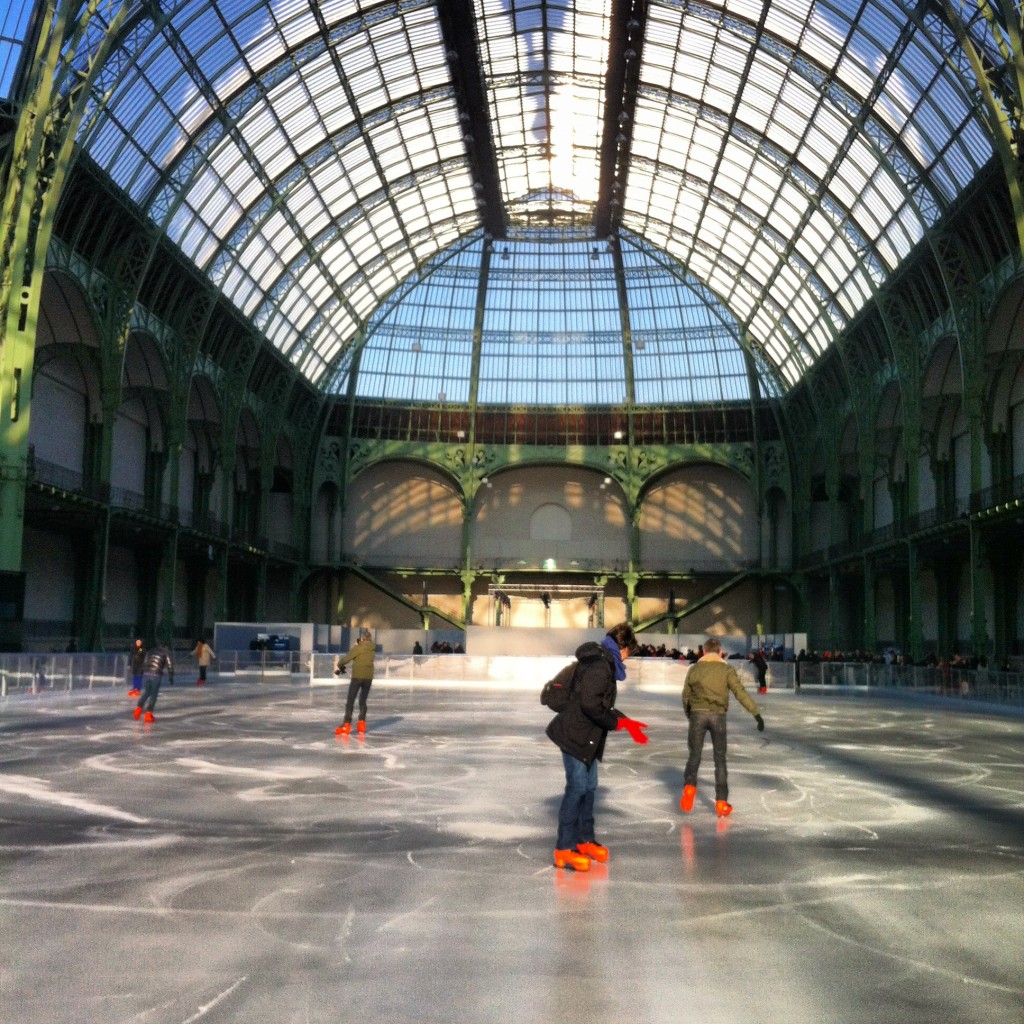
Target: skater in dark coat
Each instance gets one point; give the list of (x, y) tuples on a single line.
[(761, 668), (138, 661), (580, 731)]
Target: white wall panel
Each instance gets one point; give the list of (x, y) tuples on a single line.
[(122, 588), (48, 560), (57, 424), (128, 451)]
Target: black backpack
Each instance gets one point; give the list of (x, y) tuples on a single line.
[(556, 692)]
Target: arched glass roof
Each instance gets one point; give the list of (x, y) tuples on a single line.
[(550, 330), (310, 157)]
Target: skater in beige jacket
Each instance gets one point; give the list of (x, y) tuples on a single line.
[(204, 654), (706, 701)]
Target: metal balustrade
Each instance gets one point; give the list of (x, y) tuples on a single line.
[(982, 684)]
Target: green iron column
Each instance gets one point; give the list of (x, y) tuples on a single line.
[(221, 563), (979, 626), (631, 579), (468, 579), (870, 637), (915, 627), (169, 562), (833, 608), (261, 588), (98, 465), (57, 92), (227, 461), (167, 579)]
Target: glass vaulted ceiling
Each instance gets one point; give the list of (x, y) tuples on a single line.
[(551, 331), (310, 157)]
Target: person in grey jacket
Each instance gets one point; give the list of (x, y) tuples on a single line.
[(580, 730), (706, 701), (361, 656)]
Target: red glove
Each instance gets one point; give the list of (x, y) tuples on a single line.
[(635, 729)]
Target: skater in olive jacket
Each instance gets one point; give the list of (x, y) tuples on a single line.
[(361, 656), (706, 700)]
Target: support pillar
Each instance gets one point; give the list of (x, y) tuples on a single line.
[(167, 575), (870, 637), (261, 588), (468, 578), (979, 627), (631, 579), (833, 608), (915, 627)]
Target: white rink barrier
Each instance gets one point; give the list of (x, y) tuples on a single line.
[(40, 674)]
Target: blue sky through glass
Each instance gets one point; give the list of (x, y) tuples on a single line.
[(14, 22), (553, 332)]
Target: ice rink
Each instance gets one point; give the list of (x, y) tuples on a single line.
[(235, 861)]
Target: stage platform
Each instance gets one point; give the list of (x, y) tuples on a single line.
[(235, 861)]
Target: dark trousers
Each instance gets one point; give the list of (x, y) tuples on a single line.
[(150, 692), (702, 722), (202, 673), (576, 813), (360, 688)]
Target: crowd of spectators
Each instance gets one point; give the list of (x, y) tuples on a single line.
[(442, 647), (775, 653), (892, 657)]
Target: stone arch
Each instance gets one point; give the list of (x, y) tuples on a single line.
[(139, 429), (65, 314), (1005, 332), (941, 394), (281, 500), (66, 391), (403, 513), (198, 471), (324, 528), (584, 514), (248, 482), (701, 516), (1004, 347)]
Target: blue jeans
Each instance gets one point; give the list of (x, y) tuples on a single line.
[(150, 692), (576, 814), (702, 722)]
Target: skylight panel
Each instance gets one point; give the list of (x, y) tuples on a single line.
[(242, 290), (823, 42), (854, 75), (280, 333), (263, 262)]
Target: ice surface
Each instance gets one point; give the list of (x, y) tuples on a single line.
[(235, 861)]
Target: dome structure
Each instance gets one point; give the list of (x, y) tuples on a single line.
[(258, 256)]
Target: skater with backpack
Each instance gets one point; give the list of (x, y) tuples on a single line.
[(584, 694)]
